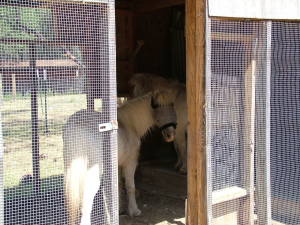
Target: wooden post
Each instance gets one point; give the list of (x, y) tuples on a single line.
[(246, 215), (1, 160), (34, 121), (13, 86), (263, 171), (195, 62)]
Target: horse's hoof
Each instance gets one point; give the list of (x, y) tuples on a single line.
[(135, 212), (124, 220)]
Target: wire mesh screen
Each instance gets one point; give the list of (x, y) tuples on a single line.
[(57, 70), (285, 129), (228, 56), (252, 128)]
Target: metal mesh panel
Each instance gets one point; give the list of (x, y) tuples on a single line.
[(252, 93), (56, 58), (285, 113), (234, 61)]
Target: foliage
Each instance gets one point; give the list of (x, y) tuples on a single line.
[(25, 23)]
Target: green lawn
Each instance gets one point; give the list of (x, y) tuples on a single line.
[(16, 125)]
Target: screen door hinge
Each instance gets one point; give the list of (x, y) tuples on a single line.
[(113, 125)]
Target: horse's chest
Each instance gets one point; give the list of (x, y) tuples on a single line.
[(128, 145)]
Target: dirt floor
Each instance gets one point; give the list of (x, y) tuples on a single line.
[(157, 210)]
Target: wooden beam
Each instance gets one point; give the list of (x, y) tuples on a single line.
[(247, 208), (263, 164), (142, 6), (195, 63), (223, 36), (228, 194)]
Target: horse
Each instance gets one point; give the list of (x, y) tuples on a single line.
[(83, 150), (145, 82)]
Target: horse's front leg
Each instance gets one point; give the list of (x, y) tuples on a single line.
[(129, 171), (178, 164)]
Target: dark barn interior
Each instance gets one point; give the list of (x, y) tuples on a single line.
[(150, 40)]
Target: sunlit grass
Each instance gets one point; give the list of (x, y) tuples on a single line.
[(16, 126)]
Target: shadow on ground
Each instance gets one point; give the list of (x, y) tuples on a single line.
[(23, 206)]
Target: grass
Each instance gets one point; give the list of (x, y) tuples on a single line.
[(16, 126)]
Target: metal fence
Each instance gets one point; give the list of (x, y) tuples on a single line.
[(56, 58), (252, 122)]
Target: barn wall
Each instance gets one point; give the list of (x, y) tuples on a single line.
[(154, 29), (125, 41)]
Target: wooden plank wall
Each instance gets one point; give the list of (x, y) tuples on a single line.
[(125, 40), (153, 29)]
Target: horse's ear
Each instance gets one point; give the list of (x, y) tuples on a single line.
[(138, 79), (154, 103)]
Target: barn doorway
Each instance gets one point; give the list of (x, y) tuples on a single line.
[(152, 40)]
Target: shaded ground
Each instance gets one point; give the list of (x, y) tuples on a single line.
[(22, 206), (158, 210), (48, 208)]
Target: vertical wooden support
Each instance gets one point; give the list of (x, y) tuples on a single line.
[(34, 120), (195, 61), (1, 160), (246, 215), (263, 171), (13, 85)]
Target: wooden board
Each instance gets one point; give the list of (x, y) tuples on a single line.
[(258, 9), (195, 66)]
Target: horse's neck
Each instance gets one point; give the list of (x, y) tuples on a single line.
[(136, 115)]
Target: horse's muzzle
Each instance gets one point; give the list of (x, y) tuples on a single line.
[(168, 131), (174, 125)]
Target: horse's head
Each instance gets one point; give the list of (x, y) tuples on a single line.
[(164, 115)]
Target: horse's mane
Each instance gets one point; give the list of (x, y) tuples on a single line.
[(146, 82), (136, 114), (139, 110)]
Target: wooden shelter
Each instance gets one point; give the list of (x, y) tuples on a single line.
[(205, 23), (144, 44)]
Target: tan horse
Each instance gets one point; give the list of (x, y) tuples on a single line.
[(83, 159), (143, 83)]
